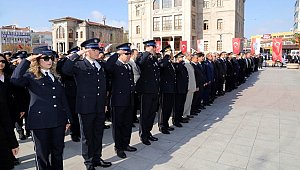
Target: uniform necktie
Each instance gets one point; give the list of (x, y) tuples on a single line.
[(48, 77), (94, 65)]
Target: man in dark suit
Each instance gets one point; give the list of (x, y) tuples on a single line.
[(182, 82), (90, 79), (199, 85), (70, 89), (148, 87), (122, 98), (167, 89), (222, 73)]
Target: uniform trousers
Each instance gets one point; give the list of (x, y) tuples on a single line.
[(179, 107), (47, 142), (188, 104), (167, 106), (91, 128), (149, 102), (122, 125)]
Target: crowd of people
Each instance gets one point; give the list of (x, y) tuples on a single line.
[(88, 86)]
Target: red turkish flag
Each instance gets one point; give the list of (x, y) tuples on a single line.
[(277, 49), (236, 45), (158, 46), (253, 41), (101, 45), (183, 46)]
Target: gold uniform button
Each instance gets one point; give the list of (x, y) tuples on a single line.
[(98, 94), (54, 97), (55, 105), (53, 88)]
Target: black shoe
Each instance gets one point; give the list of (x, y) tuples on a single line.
[(22, 136), (102, 163), (184, 120), (190, 116), (177, 124), (75, 138), (146, 141), (194, 114), (164, 131), (16, 161), (106, 126), (90, 168), (170, 128), (152, 138), (121, 153), (130, 149)]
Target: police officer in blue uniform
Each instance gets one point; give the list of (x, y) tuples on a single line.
[(70, 89), (148, 87), (48, 111), (182, 82), (167, 89), (90, 77), (122, 98)]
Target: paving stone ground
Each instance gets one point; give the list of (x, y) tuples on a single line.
[(256, 126)]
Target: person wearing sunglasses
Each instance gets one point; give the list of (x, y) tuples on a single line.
[(122, 98), (49, 114), (90, 77), (9, 145)]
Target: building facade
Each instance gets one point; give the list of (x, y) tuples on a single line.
[(296, 17), (287, 43), (167, 21), (41, 39), (69, 32), (13, 38), (222, 21), (172, 21)]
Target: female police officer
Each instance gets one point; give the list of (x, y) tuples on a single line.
[(47, 115)]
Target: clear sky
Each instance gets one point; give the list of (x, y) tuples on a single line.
[(261, 16)]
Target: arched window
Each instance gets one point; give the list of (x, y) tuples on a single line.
[(71, 33), (156, 4), (57, 33), (61, 32)]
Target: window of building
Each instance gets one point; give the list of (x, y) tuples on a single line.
[(167, 23), (138, 29), (220, 24), (205, 45), (206, 4), (156, 24), (93, 34), (166, 3), (193, 22), (205, 25), (177, 3), (219, 3), (61, 32), (76, 34), (137, 11), (100, 35), (138, 46), (194, 3), (81, 34), (156, 4), (111, 37), (57, 32), (219, 45), (178, 22), (71, 33)]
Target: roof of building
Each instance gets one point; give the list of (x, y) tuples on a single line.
[(14, 27), (80, 20)]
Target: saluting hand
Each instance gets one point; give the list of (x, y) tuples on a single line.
[(32, 57), (22, 114), (81, 52)]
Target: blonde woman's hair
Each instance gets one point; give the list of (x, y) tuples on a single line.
[(35, 69)]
